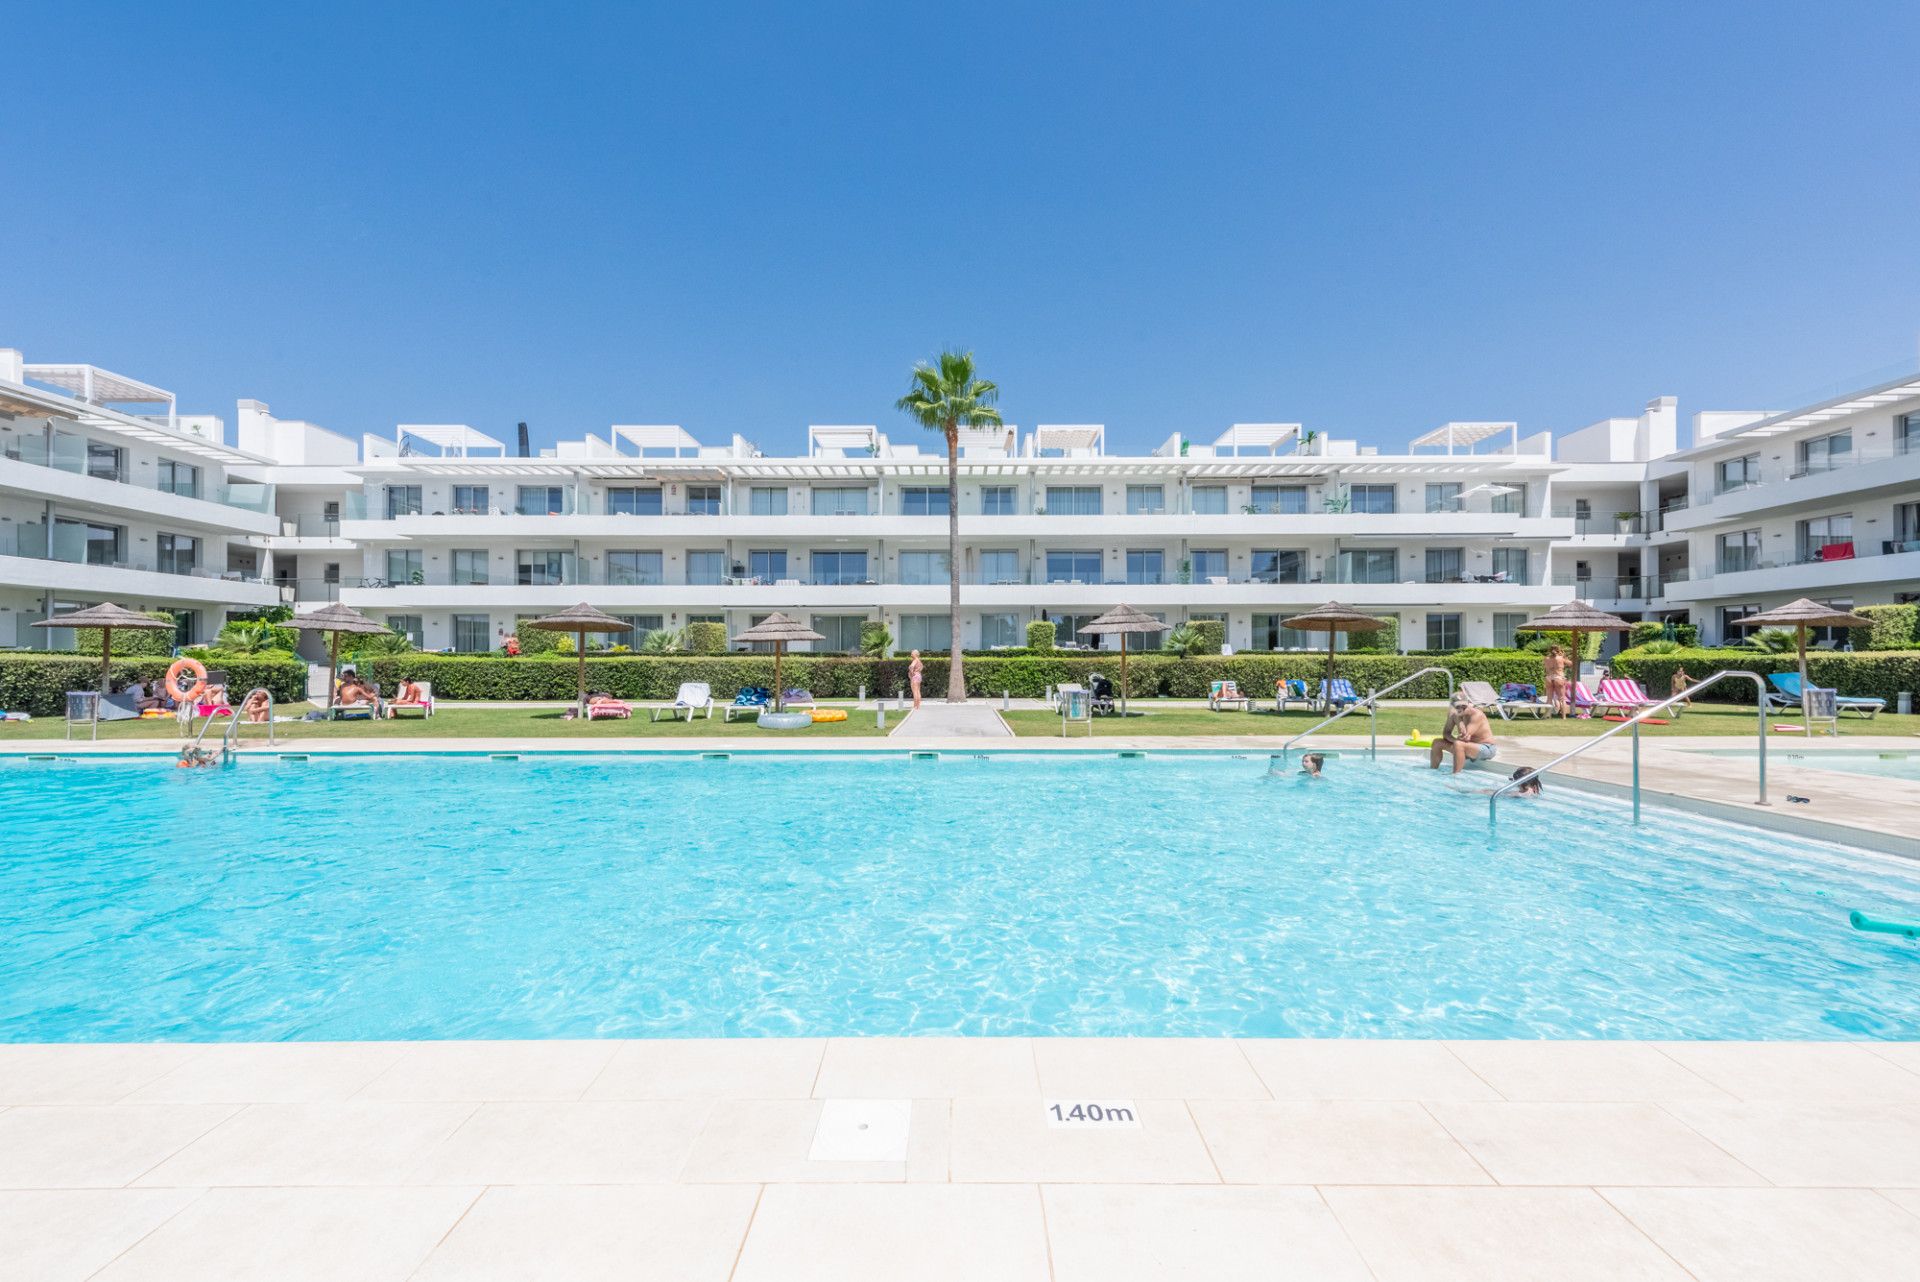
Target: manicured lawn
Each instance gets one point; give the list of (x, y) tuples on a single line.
[(471, 723), (1396, 723)]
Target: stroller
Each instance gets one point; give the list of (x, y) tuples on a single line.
[(1103, 694)]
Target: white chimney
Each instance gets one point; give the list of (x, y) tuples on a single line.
[(13, 365)]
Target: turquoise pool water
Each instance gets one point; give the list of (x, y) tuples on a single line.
[(402, 897), (1887, 764)]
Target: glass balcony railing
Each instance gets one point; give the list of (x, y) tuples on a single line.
[(72, 546), (69, 454)]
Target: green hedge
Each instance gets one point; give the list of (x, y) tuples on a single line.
[(1881, 674), (1212, 634), (1895, 627), (1383, 641), (1041, 635), (38, 683), (151, 642), (486, 677), (535, 640), (705, 638), (1685, 633)]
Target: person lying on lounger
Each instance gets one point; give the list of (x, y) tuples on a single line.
[(410, 695), (1468, 736)]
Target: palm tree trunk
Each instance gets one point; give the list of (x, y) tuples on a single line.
[(956, 677)]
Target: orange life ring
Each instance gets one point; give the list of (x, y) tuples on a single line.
[(189, 694)]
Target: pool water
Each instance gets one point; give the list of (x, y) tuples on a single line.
[(641, 896), (1884, 763)]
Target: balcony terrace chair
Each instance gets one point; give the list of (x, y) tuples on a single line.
[(694, 696)]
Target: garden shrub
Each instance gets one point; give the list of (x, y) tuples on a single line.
[(1384, 641), (1212, 634), (1895, 627), (1685, 634), (535, 640), (152, 642), (1041, 635), (705, 638), (1590, 643), (1872, 674), (37, 683)]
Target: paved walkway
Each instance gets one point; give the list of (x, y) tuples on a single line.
[(978, 719), (931, 1158)]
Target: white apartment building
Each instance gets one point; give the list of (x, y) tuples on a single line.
[(452, 536)]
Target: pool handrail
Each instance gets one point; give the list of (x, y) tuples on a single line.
[(1370, 704), (230, 741), (1633, 723)]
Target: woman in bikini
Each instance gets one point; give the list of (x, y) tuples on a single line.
[(1559, 692), (914, 672)]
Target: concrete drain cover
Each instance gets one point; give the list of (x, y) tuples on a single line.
[(862, 1130)]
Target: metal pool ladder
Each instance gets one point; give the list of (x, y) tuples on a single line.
[(1373, 736), (1633, 723), (230, 737)]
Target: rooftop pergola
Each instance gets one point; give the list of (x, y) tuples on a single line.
[(655, 440), (452, 440), (33, 402), (1264, 437), (99, 386), (1452, 436), (1082, 438), (1902, 389)]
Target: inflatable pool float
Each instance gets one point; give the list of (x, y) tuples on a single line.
[(1419, 739), (829, 714), (785, 720)]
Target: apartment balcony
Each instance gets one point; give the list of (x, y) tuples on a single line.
[(1783, 487), (127, 582), (1887, 563), (242, 507)]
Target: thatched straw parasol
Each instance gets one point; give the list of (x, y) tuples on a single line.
[(779, 629), (336, 619), (1331, 618), (580, 620), (1123, 621), (1801, 615), (106, 616), (1577, 617)]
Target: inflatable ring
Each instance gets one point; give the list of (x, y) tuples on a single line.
[(188, 694), (1419, 740), (829, 714)]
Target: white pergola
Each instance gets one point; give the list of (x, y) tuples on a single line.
[(1885, 394), (1263, 437), (1069, 438), (1452, 435), (99, 386), (452, 440), (655, 440)]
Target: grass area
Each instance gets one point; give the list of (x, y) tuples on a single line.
[(1396, 723), (471, 723)]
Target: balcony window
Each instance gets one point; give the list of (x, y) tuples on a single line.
[(925, 632), (923, 500), (106, 462), (1510, 565), (410, 626), (842, 631), (1737, 552), (472, 633), (1375, 500), (1906, 434), (703, 500), (1368, 565), (1506, 630), (1280, 500), (1073, 566), (1824, 453), (1445, 565), (1209, 500), (1906, 527), (769, 565), (638, 626), (633, 568), (1146, 500), (923, 567), (469, 566), (998, 630), (1208, 565), (1269, 633), (768, 500), (404, 566), (840, 501), (176, 553), (1073, 500), (179, 478), (1066, 630), (1736, 473), (1146, 565), (88, 544), (1443, 496), (631, 500), (1827, 538), (403, 500), (997, 500), (541, 567), (471, 500), (706, 568), (1731, 632), (1000, 565), (1509, 497), (836, 567), (1443, 632), (541, 500), (1279, 565)]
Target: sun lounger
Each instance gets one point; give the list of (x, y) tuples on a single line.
[(612, 709), (797, 698), (1785, 697), (424, 707), (1519, 696), (1583, 701), (1623, 696), (1337, 693), (1288, 691), (1223, 693), (694, 696)]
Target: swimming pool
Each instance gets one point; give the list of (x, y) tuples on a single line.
[(1885, 763), (1017, 893)]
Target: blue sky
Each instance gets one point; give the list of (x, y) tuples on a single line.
[(1160, 217)]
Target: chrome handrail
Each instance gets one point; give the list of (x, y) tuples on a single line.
[(229, 742), (1633, 724), (1369, 703)]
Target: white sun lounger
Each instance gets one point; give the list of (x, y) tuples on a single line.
[(694, 696)]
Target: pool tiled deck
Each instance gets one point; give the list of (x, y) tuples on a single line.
[(693, 1160)]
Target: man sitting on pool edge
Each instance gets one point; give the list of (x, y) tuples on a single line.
[(1467, 735)]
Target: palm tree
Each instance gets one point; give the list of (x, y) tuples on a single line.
[(944, 398)]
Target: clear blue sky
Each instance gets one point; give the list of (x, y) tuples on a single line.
[(1156, 216)]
